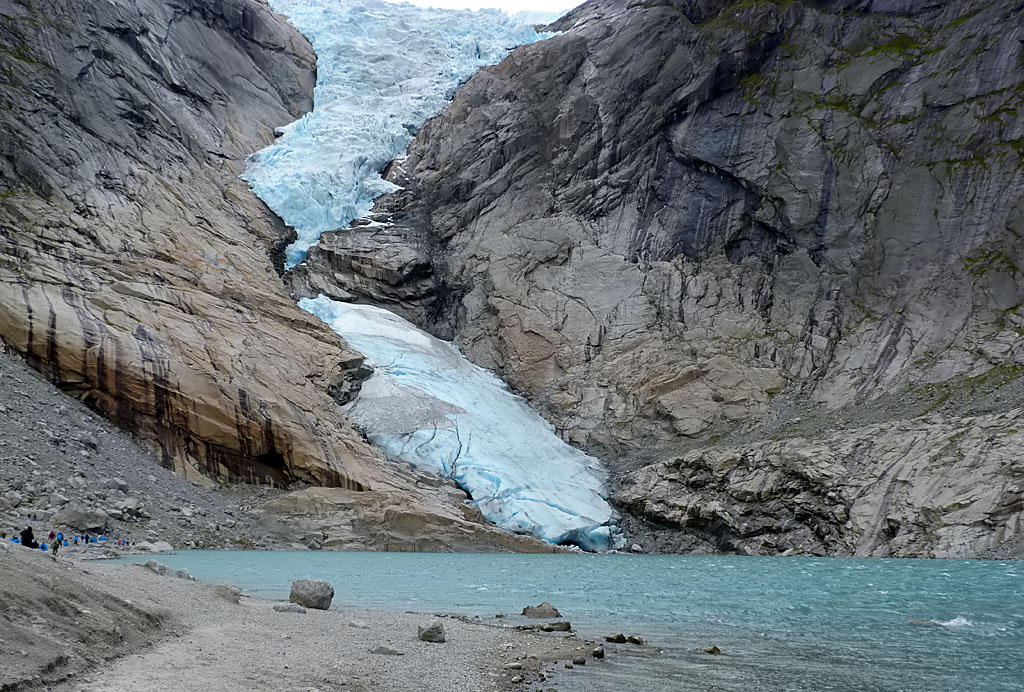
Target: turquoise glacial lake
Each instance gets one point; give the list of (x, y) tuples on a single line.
[(793, 624)]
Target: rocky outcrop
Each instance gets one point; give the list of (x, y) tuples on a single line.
[(341, 519), (136, 270), (933, 486), (686, 222)]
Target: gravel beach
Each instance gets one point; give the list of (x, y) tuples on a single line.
[(101, 627)]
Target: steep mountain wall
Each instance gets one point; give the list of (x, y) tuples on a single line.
[(705, 225), (135, 269)]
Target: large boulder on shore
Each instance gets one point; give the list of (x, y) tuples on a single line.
[(544, 611), (431, 631), (312, 593), (81, 519)]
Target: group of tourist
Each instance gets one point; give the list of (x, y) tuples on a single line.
[(56, 540)]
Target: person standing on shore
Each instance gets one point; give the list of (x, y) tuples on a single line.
[(28, 538)]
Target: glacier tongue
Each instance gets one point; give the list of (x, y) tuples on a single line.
[(382, 70), (429, 406)]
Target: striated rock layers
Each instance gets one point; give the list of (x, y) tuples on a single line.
[(685, 223), (135, 269), (138, 273)]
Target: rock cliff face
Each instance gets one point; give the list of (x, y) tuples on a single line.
[(138, 273), (135, 269), (703, 235)]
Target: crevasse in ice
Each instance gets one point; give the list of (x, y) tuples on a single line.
[(429, 406), (382, 70)]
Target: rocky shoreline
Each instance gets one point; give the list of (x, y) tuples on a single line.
[(94, 627), (60, 459)]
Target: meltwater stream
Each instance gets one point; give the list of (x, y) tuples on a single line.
[(382, 70), (783, 624)]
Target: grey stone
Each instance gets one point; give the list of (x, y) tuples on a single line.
[(82, 519), (11, 498), (116, 483), (385, 651), (431, 631), (579, 661), (165, 571), (289, 608), (560, 626), (541, 612), (598, 652), (153, 547), (131, 506), (312, 593), (359, 625)]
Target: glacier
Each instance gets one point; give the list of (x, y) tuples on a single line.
[(428, 405), (383, 70)]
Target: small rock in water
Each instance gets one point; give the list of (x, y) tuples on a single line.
[(568, 665), (543, 611), (562, 626), (639, 641), (312, 593), (598, 652), (431, 632), (385, 651), (359, 625), (579, 661), (289, 608), (616, 638), (714, 650)]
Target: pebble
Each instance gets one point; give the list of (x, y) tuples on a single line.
[(385, 651)]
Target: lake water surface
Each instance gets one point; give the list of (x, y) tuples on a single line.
[(808, 624)]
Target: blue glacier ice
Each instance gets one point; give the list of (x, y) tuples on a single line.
[(383, 70), (429, 406)]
